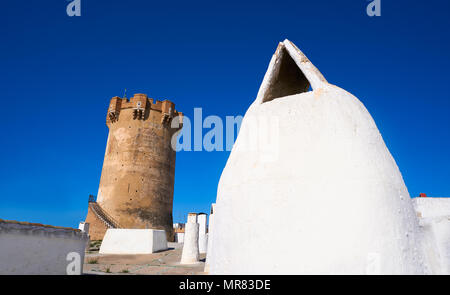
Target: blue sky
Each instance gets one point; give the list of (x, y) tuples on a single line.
[(59, 72)]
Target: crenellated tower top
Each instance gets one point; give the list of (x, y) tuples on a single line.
[(141, 108)]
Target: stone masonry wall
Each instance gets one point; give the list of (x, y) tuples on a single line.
[(137, 181)]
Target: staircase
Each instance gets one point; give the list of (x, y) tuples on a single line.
[(102, 215)]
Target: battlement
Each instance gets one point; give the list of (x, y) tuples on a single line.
[(141, 106)]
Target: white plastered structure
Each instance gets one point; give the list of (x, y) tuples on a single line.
[(84, 227), (190, 253), (179, 237), (36, 249), (210, 233), (133, 241), (434, 218), (327, 199)]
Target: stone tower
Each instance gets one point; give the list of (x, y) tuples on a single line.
[(137, 180), (320, 173)]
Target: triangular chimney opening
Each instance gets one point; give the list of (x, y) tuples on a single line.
[(287, 78)]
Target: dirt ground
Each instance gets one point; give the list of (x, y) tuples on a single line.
[(161, 263)]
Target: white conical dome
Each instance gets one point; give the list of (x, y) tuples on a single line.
[(310, 186)]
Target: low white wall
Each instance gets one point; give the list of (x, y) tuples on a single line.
[(179, 237), (133, 241), (34, 249), (83, 226), (202, 237), (434, 216)]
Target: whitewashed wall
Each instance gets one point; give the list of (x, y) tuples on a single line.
[(133, 241), (202, 237), (434, 216), (32, 249)]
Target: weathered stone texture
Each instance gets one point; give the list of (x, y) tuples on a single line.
[(137, 181)]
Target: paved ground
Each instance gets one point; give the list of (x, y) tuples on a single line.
[(165, 262)]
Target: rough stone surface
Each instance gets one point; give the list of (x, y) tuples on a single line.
[(137, 181)]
